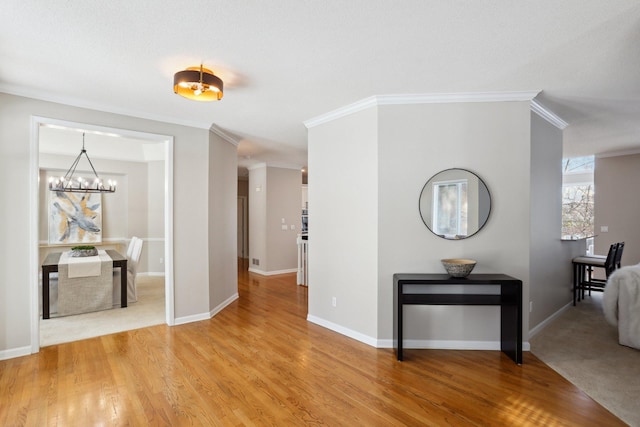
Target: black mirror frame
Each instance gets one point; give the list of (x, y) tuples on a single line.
[(480, 226)]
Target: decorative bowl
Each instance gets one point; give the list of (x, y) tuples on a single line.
[(83, 251), (458, 267)]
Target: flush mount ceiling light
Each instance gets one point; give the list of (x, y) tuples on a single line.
[(198, 84), (71, 184)]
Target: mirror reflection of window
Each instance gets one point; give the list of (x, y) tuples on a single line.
[(454, 204), (450, 208)]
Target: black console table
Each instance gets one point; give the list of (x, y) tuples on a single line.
[(509, 299)]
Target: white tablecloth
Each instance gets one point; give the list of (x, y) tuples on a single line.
[(86, 293), (84, 266)]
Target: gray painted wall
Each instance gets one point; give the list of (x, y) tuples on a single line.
[(279, 197), (551, 274), (617, 205), (223, 222), (386, 154), (418, 141), (343, 223), (258, 217), (284, 199)]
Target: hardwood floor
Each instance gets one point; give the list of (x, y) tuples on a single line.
[(259, 362)]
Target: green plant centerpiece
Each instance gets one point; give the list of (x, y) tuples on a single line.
[(83, 251)]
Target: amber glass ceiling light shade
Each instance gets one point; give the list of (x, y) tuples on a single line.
[(198, 84)]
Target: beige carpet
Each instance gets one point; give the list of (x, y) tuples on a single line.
[(582, 347), (149, 310)]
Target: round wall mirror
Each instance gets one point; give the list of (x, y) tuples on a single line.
[(455, 204)]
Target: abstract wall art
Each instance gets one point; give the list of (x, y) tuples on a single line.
[(75, 218)]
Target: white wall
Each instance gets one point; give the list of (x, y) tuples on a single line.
[(190, 212), (343, 225)]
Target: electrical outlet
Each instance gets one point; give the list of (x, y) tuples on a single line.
[(255, 261), (334, 301)]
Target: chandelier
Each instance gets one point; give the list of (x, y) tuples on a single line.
[(198, 84), (70, 184)]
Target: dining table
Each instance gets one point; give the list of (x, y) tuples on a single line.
[(50, 265)]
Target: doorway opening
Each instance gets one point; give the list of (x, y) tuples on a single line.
[(117, 145)]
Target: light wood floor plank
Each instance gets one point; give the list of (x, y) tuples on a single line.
[(259, 362)]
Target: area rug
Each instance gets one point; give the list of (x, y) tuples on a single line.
[(149, 310), (582, 347)]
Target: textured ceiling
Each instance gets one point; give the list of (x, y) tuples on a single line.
[(287, 61)]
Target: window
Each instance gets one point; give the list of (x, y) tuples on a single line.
[(577, 197), (450, 208)]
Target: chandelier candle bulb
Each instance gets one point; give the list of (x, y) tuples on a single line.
[(80, 185)]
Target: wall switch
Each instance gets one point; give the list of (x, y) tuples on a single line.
[(161, 260), (283, 220), (334, 301), (604, 228), (530, 306), (293, 227)]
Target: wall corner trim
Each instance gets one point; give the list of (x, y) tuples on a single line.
[(548, 115), (427, 98), (224, 135)]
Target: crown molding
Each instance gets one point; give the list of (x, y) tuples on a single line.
[(341, 112), (548, 115), (73, 102), (274, 165), (257, 166), (629, 152), (428, 98), (224, 135)]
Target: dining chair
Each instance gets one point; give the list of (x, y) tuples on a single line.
[(134, 251), (619, 250), (584, 269), (608, 264)]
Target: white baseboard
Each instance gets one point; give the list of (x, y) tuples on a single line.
[(414, 344), (15, 352), (191, 319), (206, 316), (342, 330), (540, 326), (223, 304), (272, 273), (152, 274), (448, 345)]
